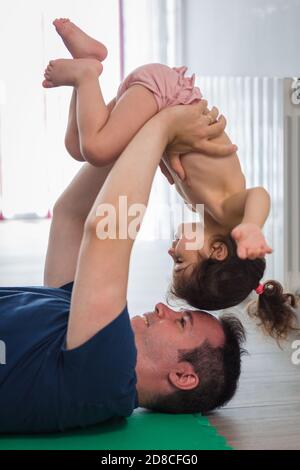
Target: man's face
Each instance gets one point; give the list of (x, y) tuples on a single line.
[(161, 333)]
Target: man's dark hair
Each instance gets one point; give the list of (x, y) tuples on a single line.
[(218, 370)]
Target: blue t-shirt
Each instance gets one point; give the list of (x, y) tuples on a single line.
[(43, 386)]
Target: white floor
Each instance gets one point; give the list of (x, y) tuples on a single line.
[(265, 413)]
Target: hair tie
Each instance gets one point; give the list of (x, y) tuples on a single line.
[(260, 289)]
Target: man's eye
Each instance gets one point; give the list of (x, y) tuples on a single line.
[(183, 322)]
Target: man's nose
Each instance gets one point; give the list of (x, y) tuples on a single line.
[(172, 252), (163, 311)]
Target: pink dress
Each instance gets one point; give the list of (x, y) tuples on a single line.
[(169, 86)]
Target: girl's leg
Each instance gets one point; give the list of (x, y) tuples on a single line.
[(72, 136), (77, 72), (72, 142), (80, 46), (102, 137), (102, 146)]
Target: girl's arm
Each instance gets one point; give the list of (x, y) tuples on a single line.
[(252, 206)]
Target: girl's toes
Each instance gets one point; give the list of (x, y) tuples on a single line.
[(59, 23), (47, 84)]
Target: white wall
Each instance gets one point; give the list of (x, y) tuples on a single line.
[(242, 37), (144, 33), (33, 159)]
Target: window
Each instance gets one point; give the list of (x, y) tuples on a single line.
[(35, 166)]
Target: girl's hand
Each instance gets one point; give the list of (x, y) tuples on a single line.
[(166, 173), (192, 128), (251, 242)]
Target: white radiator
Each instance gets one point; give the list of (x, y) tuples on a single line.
[(254, 108), (291, 180)]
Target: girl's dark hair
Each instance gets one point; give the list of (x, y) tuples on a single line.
[(216, 285), (275, 311)]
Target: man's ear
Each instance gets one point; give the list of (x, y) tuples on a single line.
[(183, 376), (219, 251)]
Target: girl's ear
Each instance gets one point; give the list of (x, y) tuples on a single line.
[(219, 251)]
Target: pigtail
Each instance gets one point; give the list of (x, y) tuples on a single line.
[(275, 311)]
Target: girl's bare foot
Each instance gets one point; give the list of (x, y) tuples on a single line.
[(69, 72), (78, 43)]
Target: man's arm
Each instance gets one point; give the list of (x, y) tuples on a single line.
[(111, 105), (100, 288), (69, 215)]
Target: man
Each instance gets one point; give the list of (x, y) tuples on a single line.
[(73, 357)]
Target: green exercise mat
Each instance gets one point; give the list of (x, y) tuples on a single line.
[(144, 430)]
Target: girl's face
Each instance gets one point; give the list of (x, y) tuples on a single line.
[(190, 246)]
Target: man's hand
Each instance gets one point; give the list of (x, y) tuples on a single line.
[(251, 242), (192, 130)]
